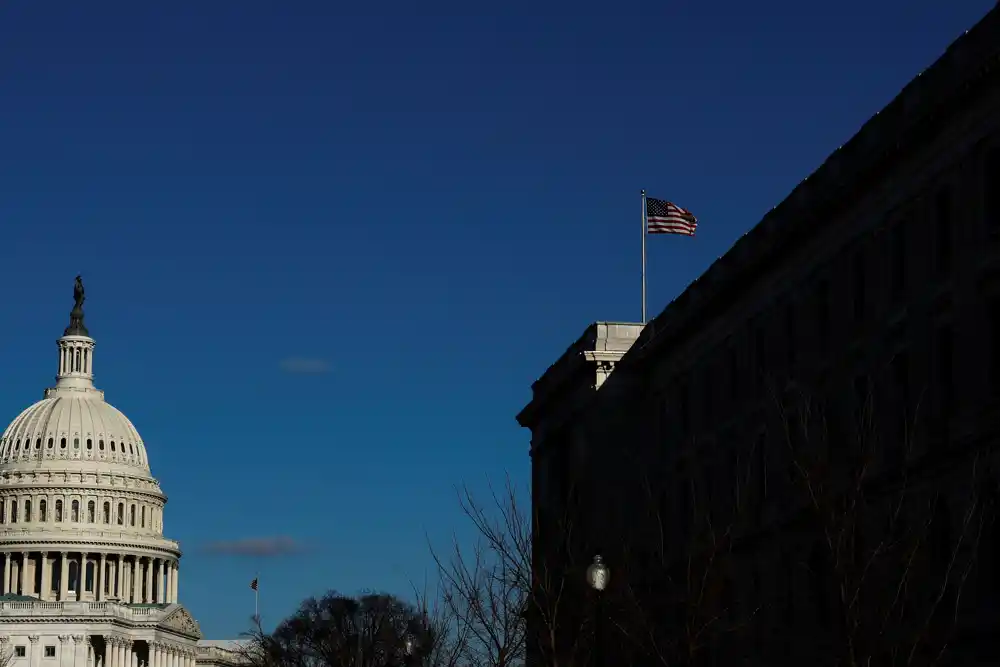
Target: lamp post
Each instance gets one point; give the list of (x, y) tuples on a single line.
[(598, 575), (411, 649)]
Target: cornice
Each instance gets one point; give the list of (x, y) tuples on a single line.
[(55, 545), (920, 110), (154, 497)]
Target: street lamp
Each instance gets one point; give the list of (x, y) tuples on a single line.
[(411, 648), (598, 575)]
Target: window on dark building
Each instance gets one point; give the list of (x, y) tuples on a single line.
[(991, 190), (760, 353), (897, 261), (994, 344), (734, 375), (823, 312), (684, 408), (901, 429), (790, 334), (858, 286), (943, 235), (945, 369)]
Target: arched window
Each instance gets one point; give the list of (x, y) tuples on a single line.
[(75, 511), (76, 443), (107, 512), (58, 511), (143, 516), (121, 514), (13, 511), (100, 445), (38, 444), (112, 445), (132, 516), (90, 511), (89, 581), (42, 510), (3, 511), (90, 443), (62, 443), (27, 509)]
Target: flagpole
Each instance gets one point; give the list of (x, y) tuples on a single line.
[(644, 227), (256, 598)]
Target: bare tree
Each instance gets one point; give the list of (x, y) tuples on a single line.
[(506, 597), (680, 604), (895, 541)]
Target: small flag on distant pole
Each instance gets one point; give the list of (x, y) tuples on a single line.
[(256, 600), (662, 217)]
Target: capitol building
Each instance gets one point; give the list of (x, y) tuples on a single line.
[(89, 579)]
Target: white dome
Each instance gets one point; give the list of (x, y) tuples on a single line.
[(72, 427)]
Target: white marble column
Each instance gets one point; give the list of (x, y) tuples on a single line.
[(101, 576), (168, 578), (79, 651), (155, 655), (136, 579), (63, 575), (148, 576), (46, 576), (177, 574), (22, 571), (6, 572), (34, 651)]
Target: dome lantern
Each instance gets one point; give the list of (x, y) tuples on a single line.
[(76, 349)]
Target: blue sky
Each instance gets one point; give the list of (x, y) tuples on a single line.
[(428, 201)]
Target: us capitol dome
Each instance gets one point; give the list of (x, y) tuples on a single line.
[(89, 579)]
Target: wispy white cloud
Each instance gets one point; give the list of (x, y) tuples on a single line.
[(305, 365), (267, 547)]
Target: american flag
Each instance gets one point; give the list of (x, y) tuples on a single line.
[(253, 584), (662, 217)]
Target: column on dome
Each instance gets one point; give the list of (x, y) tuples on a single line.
[(171, 574), (6, 573), (63, 575), (177, 573), (46, 577), (147, 595), (123, 585), (136, 580), (113, 576), (22, 572), (100, 576)]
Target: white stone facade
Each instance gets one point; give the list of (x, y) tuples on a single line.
[(89, 580)]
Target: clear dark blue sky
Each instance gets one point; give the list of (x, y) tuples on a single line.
[(428, 200)]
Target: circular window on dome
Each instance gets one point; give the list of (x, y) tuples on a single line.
[(76, 443), (62, 443), (112, 445), (90, 443), (100, 445)]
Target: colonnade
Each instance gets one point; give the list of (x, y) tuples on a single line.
[(126, 652), (93, 576)]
